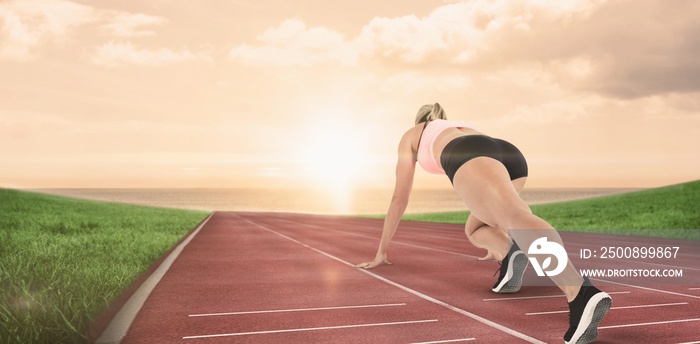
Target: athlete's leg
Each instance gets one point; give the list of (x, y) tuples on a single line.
[(494, 239), (484, 185)]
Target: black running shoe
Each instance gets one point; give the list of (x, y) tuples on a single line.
[(585, 313), (512, 268)]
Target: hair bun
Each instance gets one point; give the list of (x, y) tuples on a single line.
[(429, 112)]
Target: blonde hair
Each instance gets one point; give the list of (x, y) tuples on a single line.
[(429, 112)]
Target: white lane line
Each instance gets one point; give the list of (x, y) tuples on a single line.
[(409, 290), (119, 325), (649, 306), (621, 307), (650, 323), (543, 297), (645, 288), (308, 329), (448, 341), (697, 342), (394, 241), (694, 289), (297, 310)]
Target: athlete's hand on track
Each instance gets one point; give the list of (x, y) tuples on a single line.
[(378, 260)]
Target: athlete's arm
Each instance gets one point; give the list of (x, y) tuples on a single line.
[(405, 170)]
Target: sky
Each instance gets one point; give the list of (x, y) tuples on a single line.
[(316, 93)]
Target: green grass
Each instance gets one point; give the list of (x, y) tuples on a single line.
[(668, 212), (63, 260)]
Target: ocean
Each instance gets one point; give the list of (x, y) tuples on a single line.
[(311, 201)]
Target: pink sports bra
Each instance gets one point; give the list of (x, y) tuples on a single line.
[(432, 130)]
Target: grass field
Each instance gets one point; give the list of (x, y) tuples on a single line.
[(668, 212), (63, 260)]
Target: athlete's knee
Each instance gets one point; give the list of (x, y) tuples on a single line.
[(471, 230), (525, 219), (514, 216)]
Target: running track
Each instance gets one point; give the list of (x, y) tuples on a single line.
[(289, 278)]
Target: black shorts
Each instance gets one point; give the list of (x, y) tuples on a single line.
[(465, 148)]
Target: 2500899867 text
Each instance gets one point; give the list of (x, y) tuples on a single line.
[(613, 252)]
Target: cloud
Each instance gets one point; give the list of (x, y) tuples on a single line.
[(113, 54), (454, 34), (293, 44), (408, 39), (124, 24), (472, 33), (622, 49), (618, 49), (27, 23)]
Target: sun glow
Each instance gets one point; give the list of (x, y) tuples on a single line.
[(334, 157), (334, 151)]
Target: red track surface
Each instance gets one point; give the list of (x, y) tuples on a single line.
[(288, 278)]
